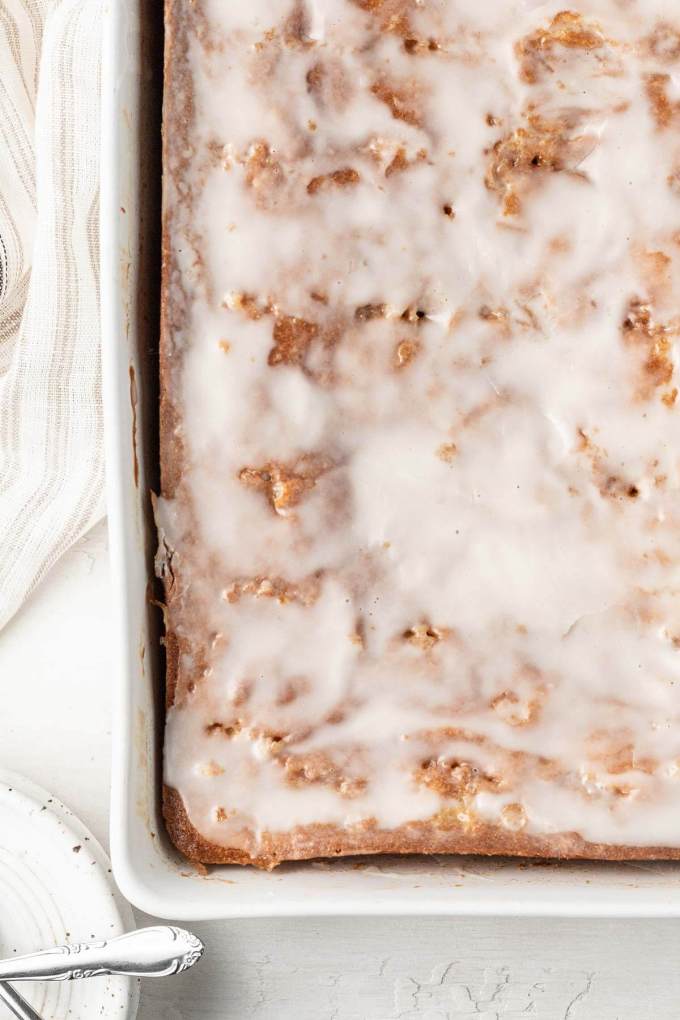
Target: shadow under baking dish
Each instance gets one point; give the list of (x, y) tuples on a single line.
[(148, 870)]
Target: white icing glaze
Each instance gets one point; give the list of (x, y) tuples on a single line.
[(490, 545)]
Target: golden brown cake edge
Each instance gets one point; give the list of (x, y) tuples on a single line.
[(311, 842), (177, 113)]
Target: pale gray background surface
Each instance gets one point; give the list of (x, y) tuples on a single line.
[(55, 728)]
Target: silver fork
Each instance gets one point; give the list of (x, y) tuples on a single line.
[(147, 952)]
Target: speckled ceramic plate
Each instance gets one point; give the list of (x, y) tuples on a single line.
[(55, 887)]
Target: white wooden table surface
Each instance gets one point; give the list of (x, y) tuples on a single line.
[(55, 729)]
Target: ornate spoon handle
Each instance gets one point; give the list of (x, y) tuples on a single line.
[(17, 1003), (147, 952)]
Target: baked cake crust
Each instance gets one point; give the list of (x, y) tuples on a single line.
[(477, 768), (314, 841)]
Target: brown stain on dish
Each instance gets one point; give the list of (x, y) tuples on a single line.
[(134, 400)]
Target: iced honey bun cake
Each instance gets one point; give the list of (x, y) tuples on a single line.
[(420, 428)]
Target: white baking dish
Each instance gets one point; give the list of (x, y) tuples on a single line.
[(146, 867)]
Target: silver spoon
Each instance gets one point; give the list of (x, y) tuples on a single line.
[(17, 1003), (147, 952)]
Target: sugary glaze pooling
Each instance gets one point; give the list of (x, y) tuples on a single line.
[(423, 558)]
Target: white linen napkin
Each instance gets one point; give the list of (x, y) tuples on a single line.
[(51, 432)]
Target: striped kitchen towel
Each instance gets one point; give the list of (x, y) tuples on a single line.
[(51, 433)]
